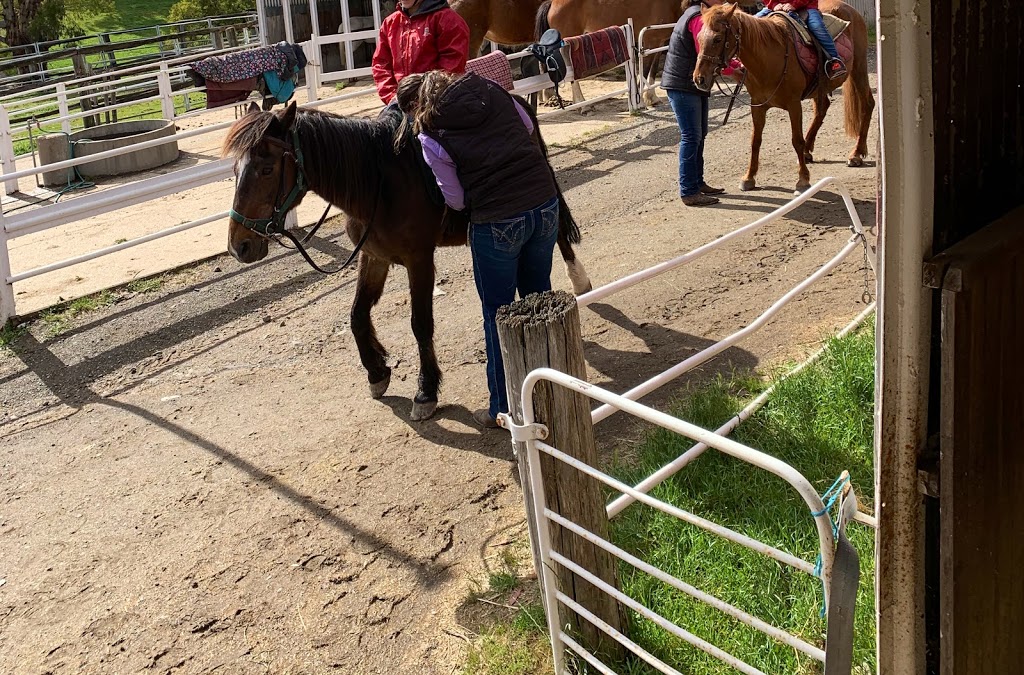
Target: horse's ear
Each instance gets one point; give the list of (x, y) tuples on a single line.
[(253, 108), (729, 12), (288, 116)]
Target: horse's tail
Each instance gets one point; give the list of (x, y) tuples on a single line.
[(858, 101), (568, 228), (542, 24)]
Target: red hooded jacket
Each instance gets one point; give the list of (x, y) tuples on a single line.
[(432, 37)]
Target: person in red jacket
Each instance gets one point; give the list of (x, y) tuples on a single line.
[(834, 67), (420, 36)]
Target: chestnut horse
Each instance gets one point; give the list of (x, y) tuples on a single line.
[(775, 80), (507, 22), (576, 17), (390, 216)]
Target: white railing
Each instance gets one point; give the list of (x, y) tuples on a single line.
[(54, 107), (543, 515), (123, 196), (856, 241), (538, 83), (650, 83)]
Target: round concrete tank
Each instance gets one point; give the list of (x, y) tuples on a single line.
[(56, 147)]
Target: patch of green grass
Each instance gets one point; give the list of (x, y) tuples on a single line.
[(503, 582), (9, 335), (820, 422), (150, 285), (57, 319), (516, 647)]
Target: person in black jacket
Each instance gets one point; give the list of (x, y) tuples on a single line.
[(690, 105), (478, 141)]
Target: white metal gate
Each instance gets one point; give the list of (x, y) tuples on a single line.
[(531, 434)]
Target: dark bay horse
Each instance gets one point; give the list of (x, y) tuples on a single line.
[(390, 216), (775, 80)]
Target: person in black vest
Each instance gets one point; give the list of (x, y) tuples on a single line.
[(478, 141), (690, 105)]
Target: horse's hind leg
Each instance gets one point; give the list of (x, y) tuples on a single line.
[(421, 285), (757, 116), (650, 91), (574, 268), (373, 272), (821, 104)]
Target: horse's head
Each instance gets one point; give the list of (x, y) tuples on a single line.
[(269, 179), (719, 43)]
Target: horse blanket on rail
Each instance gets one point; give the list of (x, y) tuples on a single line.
[(593, 53), (230, 78)]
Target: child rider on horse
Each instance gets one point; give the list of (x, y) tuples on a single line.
[(834, 67), (420, 35), (478, 141)]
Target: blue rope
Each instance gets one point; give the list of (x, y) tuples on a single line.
[(829, 499)]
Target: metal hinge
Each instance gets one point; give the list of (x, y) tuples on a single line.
[(522, 433)]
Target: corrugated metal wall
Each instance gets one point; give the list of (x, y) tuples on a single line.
[(865, 7)]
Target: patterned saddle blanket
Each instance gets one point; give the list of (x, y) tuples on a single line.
[(808, 52)]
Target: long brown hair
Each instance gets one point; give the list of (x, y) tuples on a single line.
[(419, 97)]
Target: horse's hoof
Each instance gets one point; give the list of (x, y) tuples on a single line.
[(748, 185), (378, 389), (422, 411), (651, 100), (801, 188), (855, 162), (808, 158)]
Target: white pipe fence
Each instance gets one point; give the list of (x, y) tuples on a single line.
[(705, 439), (560, 640), (55, 215), (692, 362)]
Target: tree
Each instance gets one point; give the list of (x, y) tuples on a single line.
[(27, 21), (201, 9)]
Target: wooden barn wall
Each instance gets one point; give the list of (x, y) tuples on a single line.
[(973, 614), (977, 57)]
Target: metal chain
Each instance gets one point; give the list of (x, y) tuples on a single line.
[(866, 297)]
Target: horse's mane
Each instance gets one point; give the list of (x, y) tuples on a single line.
[(344, 157), (757, 34)]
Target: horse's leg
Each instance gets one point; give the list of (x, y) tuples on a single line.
[(821, 104), (758, 116), (574, 268), (650, 91), (373, 272), (796, 123), (421, 285)]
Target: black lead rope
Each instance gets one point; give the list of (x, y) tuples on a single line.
[(355, 252)]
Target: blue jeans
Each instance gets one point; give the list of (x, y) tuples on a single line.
[(509, 255), (692, 116), (815, 24)]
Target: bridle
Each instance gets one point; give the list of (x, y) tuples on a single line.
[(724, 60), (274, 226)]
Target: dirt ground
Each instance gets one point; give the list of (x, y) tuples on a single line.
[(195, 479)]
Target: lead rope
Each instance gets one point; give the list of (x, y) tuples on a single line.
[(829, 499)]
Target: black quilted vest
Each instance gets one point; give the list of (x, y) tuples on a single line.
[(500, 168), (681, 58)]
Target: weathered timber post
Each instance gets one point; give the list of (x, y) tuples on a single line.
[(543, 330)]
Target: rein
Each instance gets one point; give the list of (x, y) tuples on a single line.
[(274, 226), (724, 60)]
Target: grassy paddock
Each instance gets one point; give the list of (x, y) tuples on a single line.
[(819, 421)]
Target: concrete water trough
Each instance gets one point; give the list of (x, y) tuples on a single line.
[(58, 147)]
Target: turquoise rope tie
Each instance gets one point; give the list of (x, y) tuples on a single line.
[(829, 499)]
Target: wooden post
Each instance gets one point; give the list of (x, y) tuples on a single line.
[(82, 69), (543, 330)]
